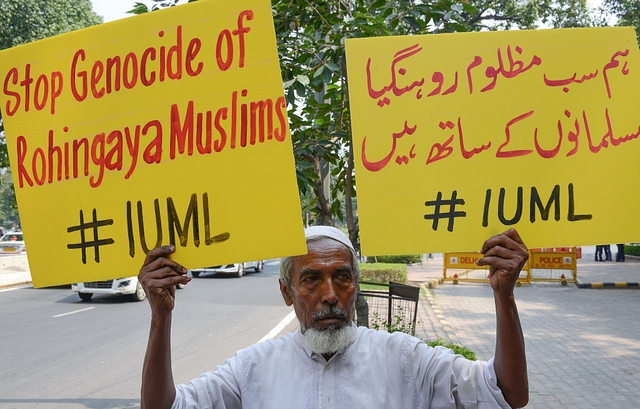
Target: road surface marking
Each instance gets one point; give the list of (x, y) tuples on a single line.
[(272, 334), (73, 312)]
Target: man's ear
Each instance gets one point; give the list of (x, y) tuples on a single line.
[(286, 294)]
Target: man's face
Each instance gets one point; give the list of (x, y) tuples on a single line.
[(321, 281)]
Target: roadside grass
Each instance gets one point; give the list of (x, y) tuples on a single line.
[(458, 349)]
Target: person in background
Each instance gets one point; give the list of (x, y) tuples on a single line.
[(607, 252), (599, 249), (620, 253)]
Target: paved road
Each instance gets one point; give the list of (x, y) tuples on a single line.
[(59, 352), (583, 345)]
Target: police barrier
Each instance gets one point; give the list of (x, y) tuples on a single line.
[(544, 265), (554, 264), (462, 267)]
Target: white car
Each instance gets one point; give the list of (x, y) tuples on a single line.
[(12, 243), (237, 269), (122, 286), (129, 286)]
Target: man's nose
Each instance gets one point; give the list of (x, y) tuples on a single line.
[(329, 294)]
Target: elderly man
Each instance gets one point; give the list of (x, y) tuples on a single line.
[(331, 363)]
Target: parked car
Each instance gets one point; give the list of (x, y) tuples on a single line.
[(236, 269), (129, 286), (12, 243)]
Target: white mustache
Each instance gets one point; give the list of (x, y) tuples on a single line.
[(338, 312)]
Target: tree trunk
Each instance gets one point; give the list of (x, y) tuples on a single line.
[(323, 202), (362, 307), (352, 225)]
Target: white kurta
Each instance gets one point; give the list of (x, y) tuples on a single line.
[(378, 370)]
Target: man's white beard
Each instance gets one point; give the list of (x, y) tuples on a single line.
[(329, 340)]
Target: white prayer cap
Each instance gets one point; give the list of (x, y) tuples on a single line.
[(317, 232), (314, 232)]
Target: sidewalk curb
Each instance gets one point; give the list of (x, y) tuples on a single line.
[(14, 279), (433, 282), (446, 327), (597, 285)]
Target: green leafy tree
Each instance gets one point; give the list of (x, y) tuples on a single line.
[(141, 8), (24, 21), (569, 14), (530, 14), (312, 57), (627, 13), (9, 216)]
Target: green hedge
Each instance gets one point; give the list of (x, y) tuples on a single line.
[(632, 250), (402, 259), (383, 272), (458, 349)]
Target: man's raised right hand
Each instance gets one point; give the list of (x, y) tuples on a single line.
[(159, 276)]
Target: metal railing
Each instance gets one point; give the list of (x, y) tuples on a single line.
[(390, 307)]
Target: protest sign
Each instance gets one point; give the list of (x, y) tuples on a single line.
[(459, 137), (166, 128)]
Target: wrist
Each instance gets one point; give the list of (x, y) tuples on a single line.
[(504, 298), (161, 319)]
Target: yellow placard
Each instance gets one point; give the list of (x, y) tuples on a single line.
[(169, 127), (461, 136)]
